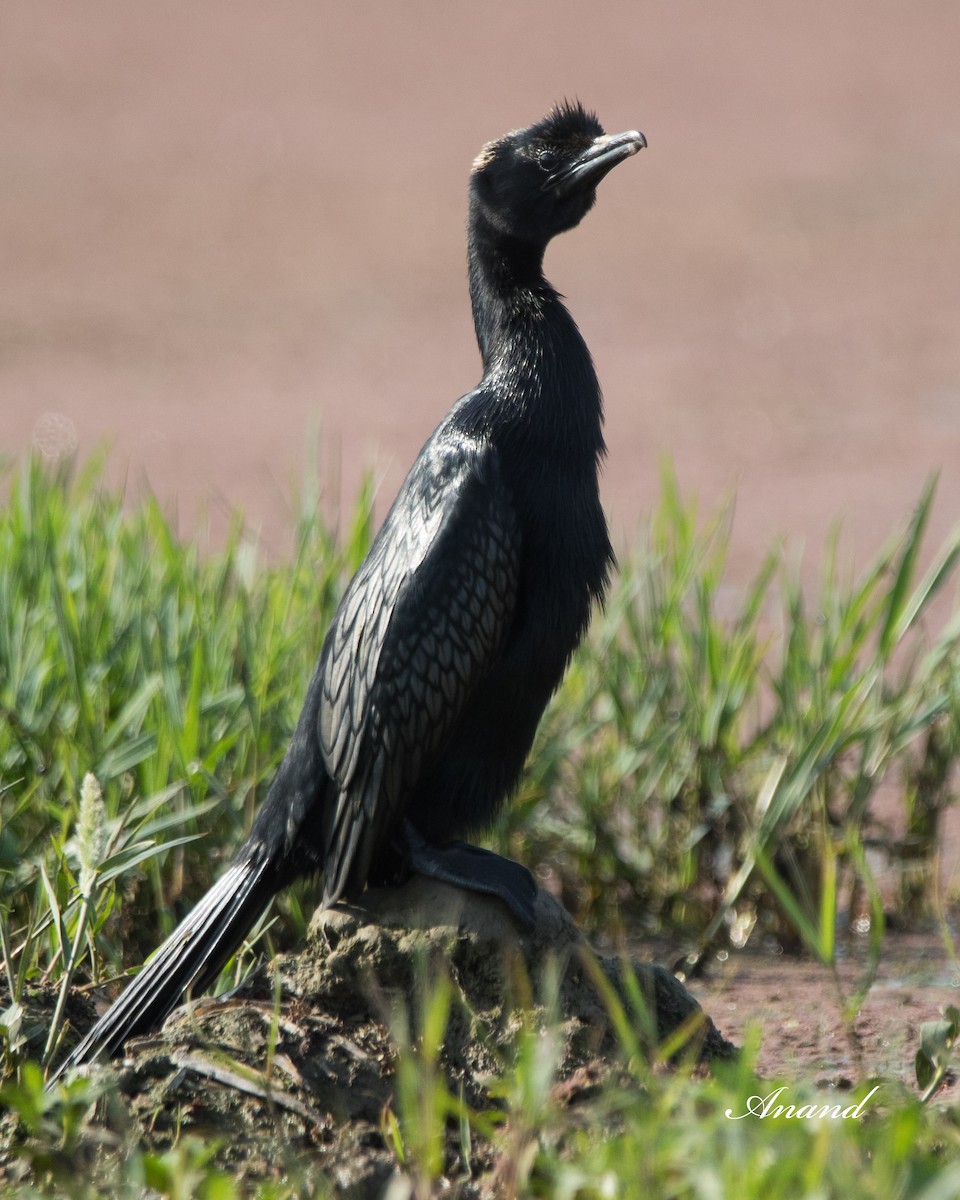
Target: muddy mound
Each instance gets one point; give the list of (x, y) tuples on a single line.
[(297, 1076)]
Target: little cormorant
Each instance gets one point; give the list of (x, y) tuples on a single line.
[(460, 622)]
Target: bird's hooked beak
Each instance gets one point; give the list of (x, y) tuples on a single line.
[(588, 168)]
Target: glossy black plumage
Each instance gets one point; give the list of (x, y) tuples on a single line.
[(423, 620), (460, 622)]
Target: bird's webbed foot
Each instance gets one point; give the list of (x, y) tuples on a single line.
[(477, 870)]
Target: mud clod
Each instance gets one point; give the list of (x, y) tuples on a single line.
[(301, 1089)]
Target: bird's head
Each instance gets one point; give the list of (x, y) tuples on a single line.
[(535, 183)]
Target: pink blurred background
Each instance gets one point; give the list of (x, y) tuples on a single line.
[(227, 225)]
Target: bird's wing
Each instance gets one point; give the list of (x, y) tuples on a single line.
[(418, 628)]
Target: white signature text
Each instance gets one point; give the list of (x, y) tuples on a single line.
[(767, 1106)]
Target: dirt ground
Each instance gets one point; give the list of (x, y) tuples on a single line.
[(229, 228), (798, 1009)]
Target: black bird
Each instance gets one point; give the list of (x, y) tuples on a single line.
[(461, 620)]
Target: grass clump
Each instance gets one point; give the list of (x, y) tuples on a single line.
[(709, 765), (173, 677), (708, 768)]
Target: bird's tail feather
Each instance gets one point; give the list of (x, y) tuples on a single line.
[(192, 956)]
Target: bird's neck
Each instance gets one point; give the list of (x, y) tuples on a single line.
[(515, 310), (535, 362)]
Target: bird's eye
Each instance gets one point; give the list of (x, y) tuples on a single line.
[(548, 159)]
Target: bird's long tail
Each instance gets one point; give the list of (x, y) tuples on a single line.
[(192, 956)]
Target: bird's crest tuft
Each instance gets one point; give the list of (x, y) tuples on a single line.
[(569, 121)]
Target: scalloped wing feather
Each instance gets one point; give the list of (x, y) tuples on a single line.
[(419, 627)]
